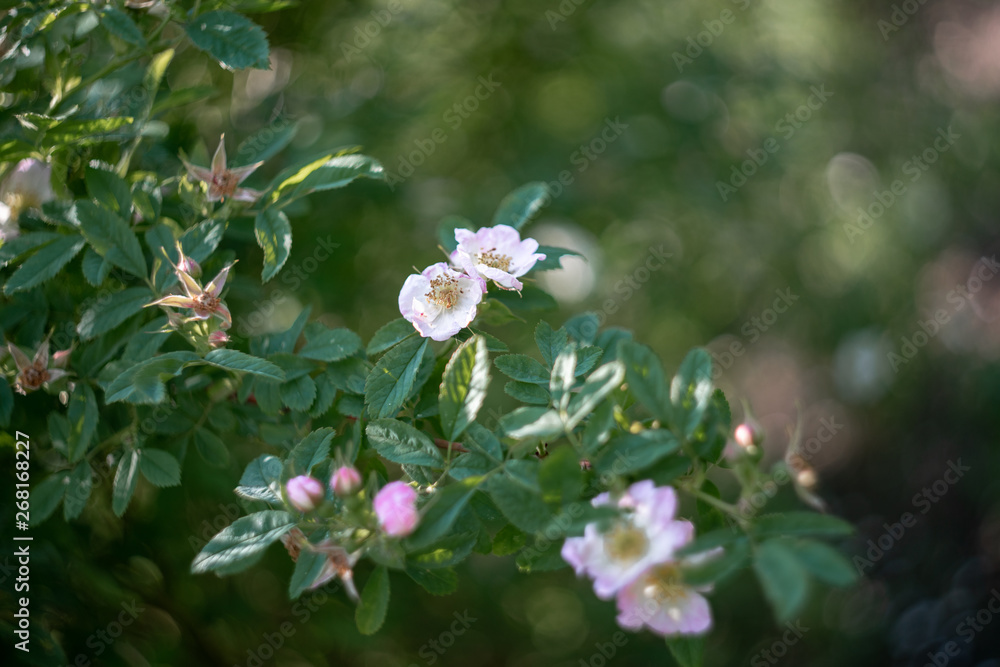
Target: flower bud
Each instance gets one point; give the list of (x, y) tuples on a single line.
[(748, 435), (218, 339), (396, 509), (304, 493), (189, 266), (345, 481)]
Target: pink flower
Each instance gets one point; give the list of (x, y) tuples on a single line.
[(645, 535), (205, 302), (304, 493), (661, 601), (29, 185), (439, 302), (495, 253), (33, 373), (396, 509), (345, 481), (223, 182)]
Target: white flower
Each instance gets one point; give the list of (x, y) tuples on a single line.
[(223, 182), (29, 185), (497, 254), (440, 301), (646, 535), (660, 600)]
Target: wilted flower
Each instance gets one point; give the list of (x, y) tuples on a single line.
[(33, 373), (645, 535), (660, 600), (396, 508), (205, 302), (439, 302), (223, 182), (29, 185), (495, 253), (218, 339), (345, 481), (304, 492), (339, 563)]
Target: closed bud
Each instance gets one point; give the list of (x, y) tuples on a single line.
[(189, 266), (748, 435), (304, 493), (218, 339), (396, 508), (345, 481)]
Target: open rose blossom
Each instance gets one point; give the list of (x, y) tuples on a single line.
[(497, 254), (223, 183), (204, 301), (661, 601), (396, 509), (440, 301), (647, 534)]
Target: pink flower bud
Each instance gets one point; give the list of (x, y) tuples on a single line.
[(189, 266), (345, 481), (304, 493), (218, 339), (748, 435), (396, 509)]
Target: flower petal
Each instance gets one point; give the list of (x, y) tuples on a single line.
[(219, 159)]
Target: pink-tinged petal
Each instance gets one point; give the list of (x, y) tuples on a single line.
[(197, 173), (395, 507), (500, 277), (214, 195), (247, 195), (214, 288), (219, 159), (20, 358), (222, 312), (56, 374), (174, 301), (61, 358), (680, 611), (689, 614), (413, 289), (242, 173), (191, 286), (41, 359)]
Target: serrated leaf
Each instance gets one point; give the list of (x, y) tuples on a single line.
[(121, 25), (111, 310), (77, 490), (645, 377), (784, 580), (234, 360), (108, 189), (143, 382), (633, 452), (526, 392), (392, 333), (244, 538), (687, 651), (521, 205), (825, 563), (440, 514), (46, 496), (463, 388), (111, 237), (390, 381), (323, 344), (95, 268), (232, 39), (601, 382), (518, 498), (718, 567), (509, 540), (211, 448), (125, 480), (583, 328), (801, 523), (441, 581), (262, 479), (550, 343), (310, 452), (298, 394), (44, 264), (273, 232), (691, 390), (370, 614), (522, 368), (160, 468), (532, 422), (83, 416), (401, 443), (308, 567)]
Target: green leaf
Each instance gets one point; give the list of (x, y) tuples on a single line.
[(401, 443), (310, 452), (718, 567), (495, 313), (493, 344), (370, 614), (522, 368), (95, 268), (232, 39), (528, 393), (111, 310), (645, 377), (587, 358), (583, 328), (390, 382), (44, 264), (563, 377), (325, 173), (262, 479), (323, 344), (111, 237), (601, 382), (274, 236), (160, 468), (46, 496), (687, 651), (521, 205), (211, 448), (691, 390), (440, 514), (109, 190), (550, 343), (825, 563), (265, 144), (83, 417), (799, 524), (299, 393), (553, 257), (463, 388), (442, 581), (77, 490), (125, 480), (307, 568), (121, 25), (243, 538), (532, 422), (446, 231), (518, 496), (633, 452), (783, 578), (509, 540), (392, 333), (144, 382), (234, 360)]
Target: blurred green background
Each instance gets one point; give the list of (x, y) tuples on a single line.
[(684, 92)]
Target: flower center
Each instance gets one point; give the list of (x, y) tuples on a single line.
[(206, 304), (225, 183), (33, 378), (625, 542), (495, 260), (665, 586), (445, 292)]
